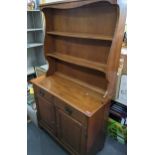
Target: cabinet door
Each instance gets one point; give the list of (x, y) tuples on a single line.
[(70, 132), (46, 112)]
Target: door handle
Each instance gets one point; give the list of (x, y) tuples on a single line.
[(41, 93), (68, 110)]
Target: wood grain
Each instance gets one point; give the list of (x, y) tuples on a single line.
[(82, 45), (77, 96), (81, 35), (78, 61), (86, 75), (93, 50)]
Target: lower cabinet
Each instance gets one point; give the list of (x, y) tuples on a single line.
[(70, 132), (78, 133)]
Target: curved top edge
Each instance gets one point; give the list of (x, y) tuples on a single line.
[(59, 4)]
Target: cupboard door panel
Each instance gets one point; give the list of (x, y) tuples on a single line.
[(75, 114), (70, 132), (46, 112)]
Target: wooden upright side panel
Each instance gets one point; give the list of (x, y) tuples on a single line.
[(97, 130), (115, 51)]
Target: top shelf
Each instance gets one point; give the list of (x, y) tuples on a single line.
[(81, 35)]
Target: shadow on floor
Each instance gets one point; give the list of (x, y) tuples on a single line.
[(40, 143)]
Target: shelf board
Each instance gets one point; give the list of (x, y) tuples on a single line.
[(31, 45), (35, 29), (81, 35), (78, 61)]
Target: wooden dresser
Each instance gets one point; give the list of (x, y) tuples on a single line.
[(82, 45)]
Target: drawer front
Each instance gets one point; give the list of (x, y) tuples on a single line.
[(44, 94), (72, 112)]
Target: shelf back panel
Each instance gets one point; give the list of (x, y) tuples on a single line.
[(91, 77), (76, 32), (92, 50), (97, 18)]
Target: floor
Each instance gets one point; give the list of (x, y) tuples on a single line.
[(40, 143)]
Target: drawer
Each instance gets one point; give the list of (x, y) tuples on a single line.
[(77, 115), (43, 93)]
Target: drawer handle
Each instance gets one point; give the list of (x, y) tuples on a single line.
[(41, 93), (68, 110)]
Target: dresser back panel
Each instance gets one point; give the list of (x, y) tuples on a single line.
[(85, 19), (93, 50), (86, 75)]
